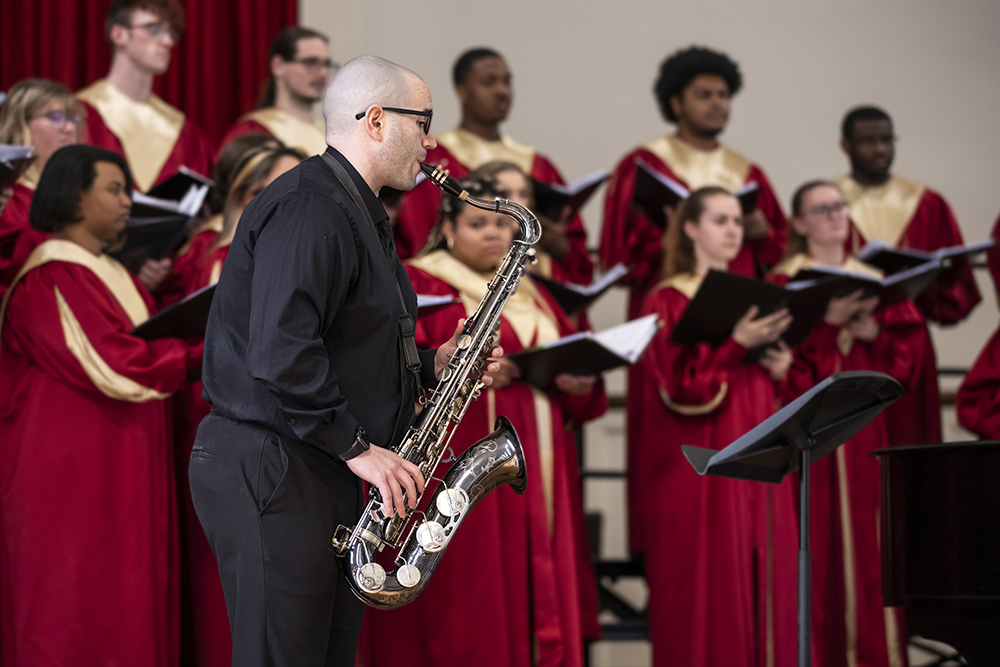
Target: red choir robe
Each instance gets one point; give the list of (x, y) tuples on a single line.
[(850, 624), (978, 398), (993, 258), (206, 640), (155, 138), (309, 138), (17, 237), (632, 239), (708, 540), (460, 152), (909, 215), (516, 558), (88, 533)]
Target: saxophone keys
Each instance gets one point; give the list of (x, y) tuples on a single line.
[(408, 575), (430, 536), (464, 342), (452, 502), (371, 577)]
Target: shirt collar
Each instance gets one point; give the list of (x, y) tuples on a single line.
[(372, 203)]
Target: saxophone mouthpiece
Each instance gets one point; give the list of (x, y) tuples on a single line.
[(440, 177)]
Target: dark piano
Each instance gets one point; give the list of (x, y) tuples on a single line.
[(941, 543)]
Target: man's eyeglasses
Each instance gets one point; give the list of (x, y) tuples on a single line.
[(60, 118), (828, 210), (316, 63), (157, 29), (411, 112)]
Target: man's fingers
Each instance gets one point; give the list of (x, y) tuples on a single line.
[(403, 477), (414, 472), (383, 490), (397, 497)]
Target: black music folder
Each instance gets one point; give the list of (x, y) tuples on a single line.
[(150, 238), (653, 191), (552, 198), (891, 260), (575, 298), (906, 285), (14, 161), (724, 298), (178, 185), (185, 319), (586, 353)]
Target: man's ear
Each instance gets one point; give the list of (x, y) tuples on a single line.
[(118, 34), (277, 66), (675, 105), (845, 146), (461, 92), (374, 121)]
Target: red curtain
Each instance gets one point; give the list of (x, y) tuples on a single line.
[(215, 74)]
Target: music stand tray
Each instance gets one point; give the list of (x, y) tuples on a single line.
[(805, 430)]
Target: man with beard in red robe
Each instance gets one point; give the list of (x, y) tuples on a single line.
[(694, 92), (901, 212), (483, 85), (300, 65)]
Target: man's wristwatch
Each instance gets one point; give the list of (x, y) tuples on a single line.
[(360, 446)]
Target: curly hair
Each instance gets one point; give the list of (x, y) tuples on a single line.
[(680, 69)]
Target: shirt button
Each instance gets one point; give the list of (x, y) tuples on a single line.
[(291, 421)]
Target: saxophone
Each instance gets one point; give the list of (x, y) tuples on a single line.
[(496, 459)]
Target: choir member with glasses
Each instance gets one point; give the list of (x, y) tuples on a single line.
[(299, 69)]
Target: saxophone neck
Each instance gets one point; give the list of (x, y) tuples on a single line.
[(531, 229)]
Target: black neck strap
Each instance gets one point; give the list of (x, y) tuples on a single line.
[(407, 329)]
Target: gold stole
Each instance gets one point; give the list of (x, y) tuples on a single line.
[(294, 133), (148, 131), (721, 167), (533, 322), (685, 283), (116, 278), (543, 264), (802, 262), (29, 178), (473, 151), (884, 211)]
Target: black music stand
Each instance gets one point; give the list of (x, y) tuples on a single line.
[(805, 430)]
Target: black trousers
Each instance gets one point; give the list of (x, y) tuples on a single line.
[(269, 509)]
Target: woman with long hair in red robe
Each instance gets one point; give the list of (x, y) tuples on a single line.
[(720, 552), (88, 525)]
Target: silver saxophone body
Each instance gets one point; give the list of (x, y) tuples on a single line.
[(421, 539)]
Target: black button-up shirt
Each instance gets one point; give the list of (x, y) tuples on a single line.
[(303, 335)]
